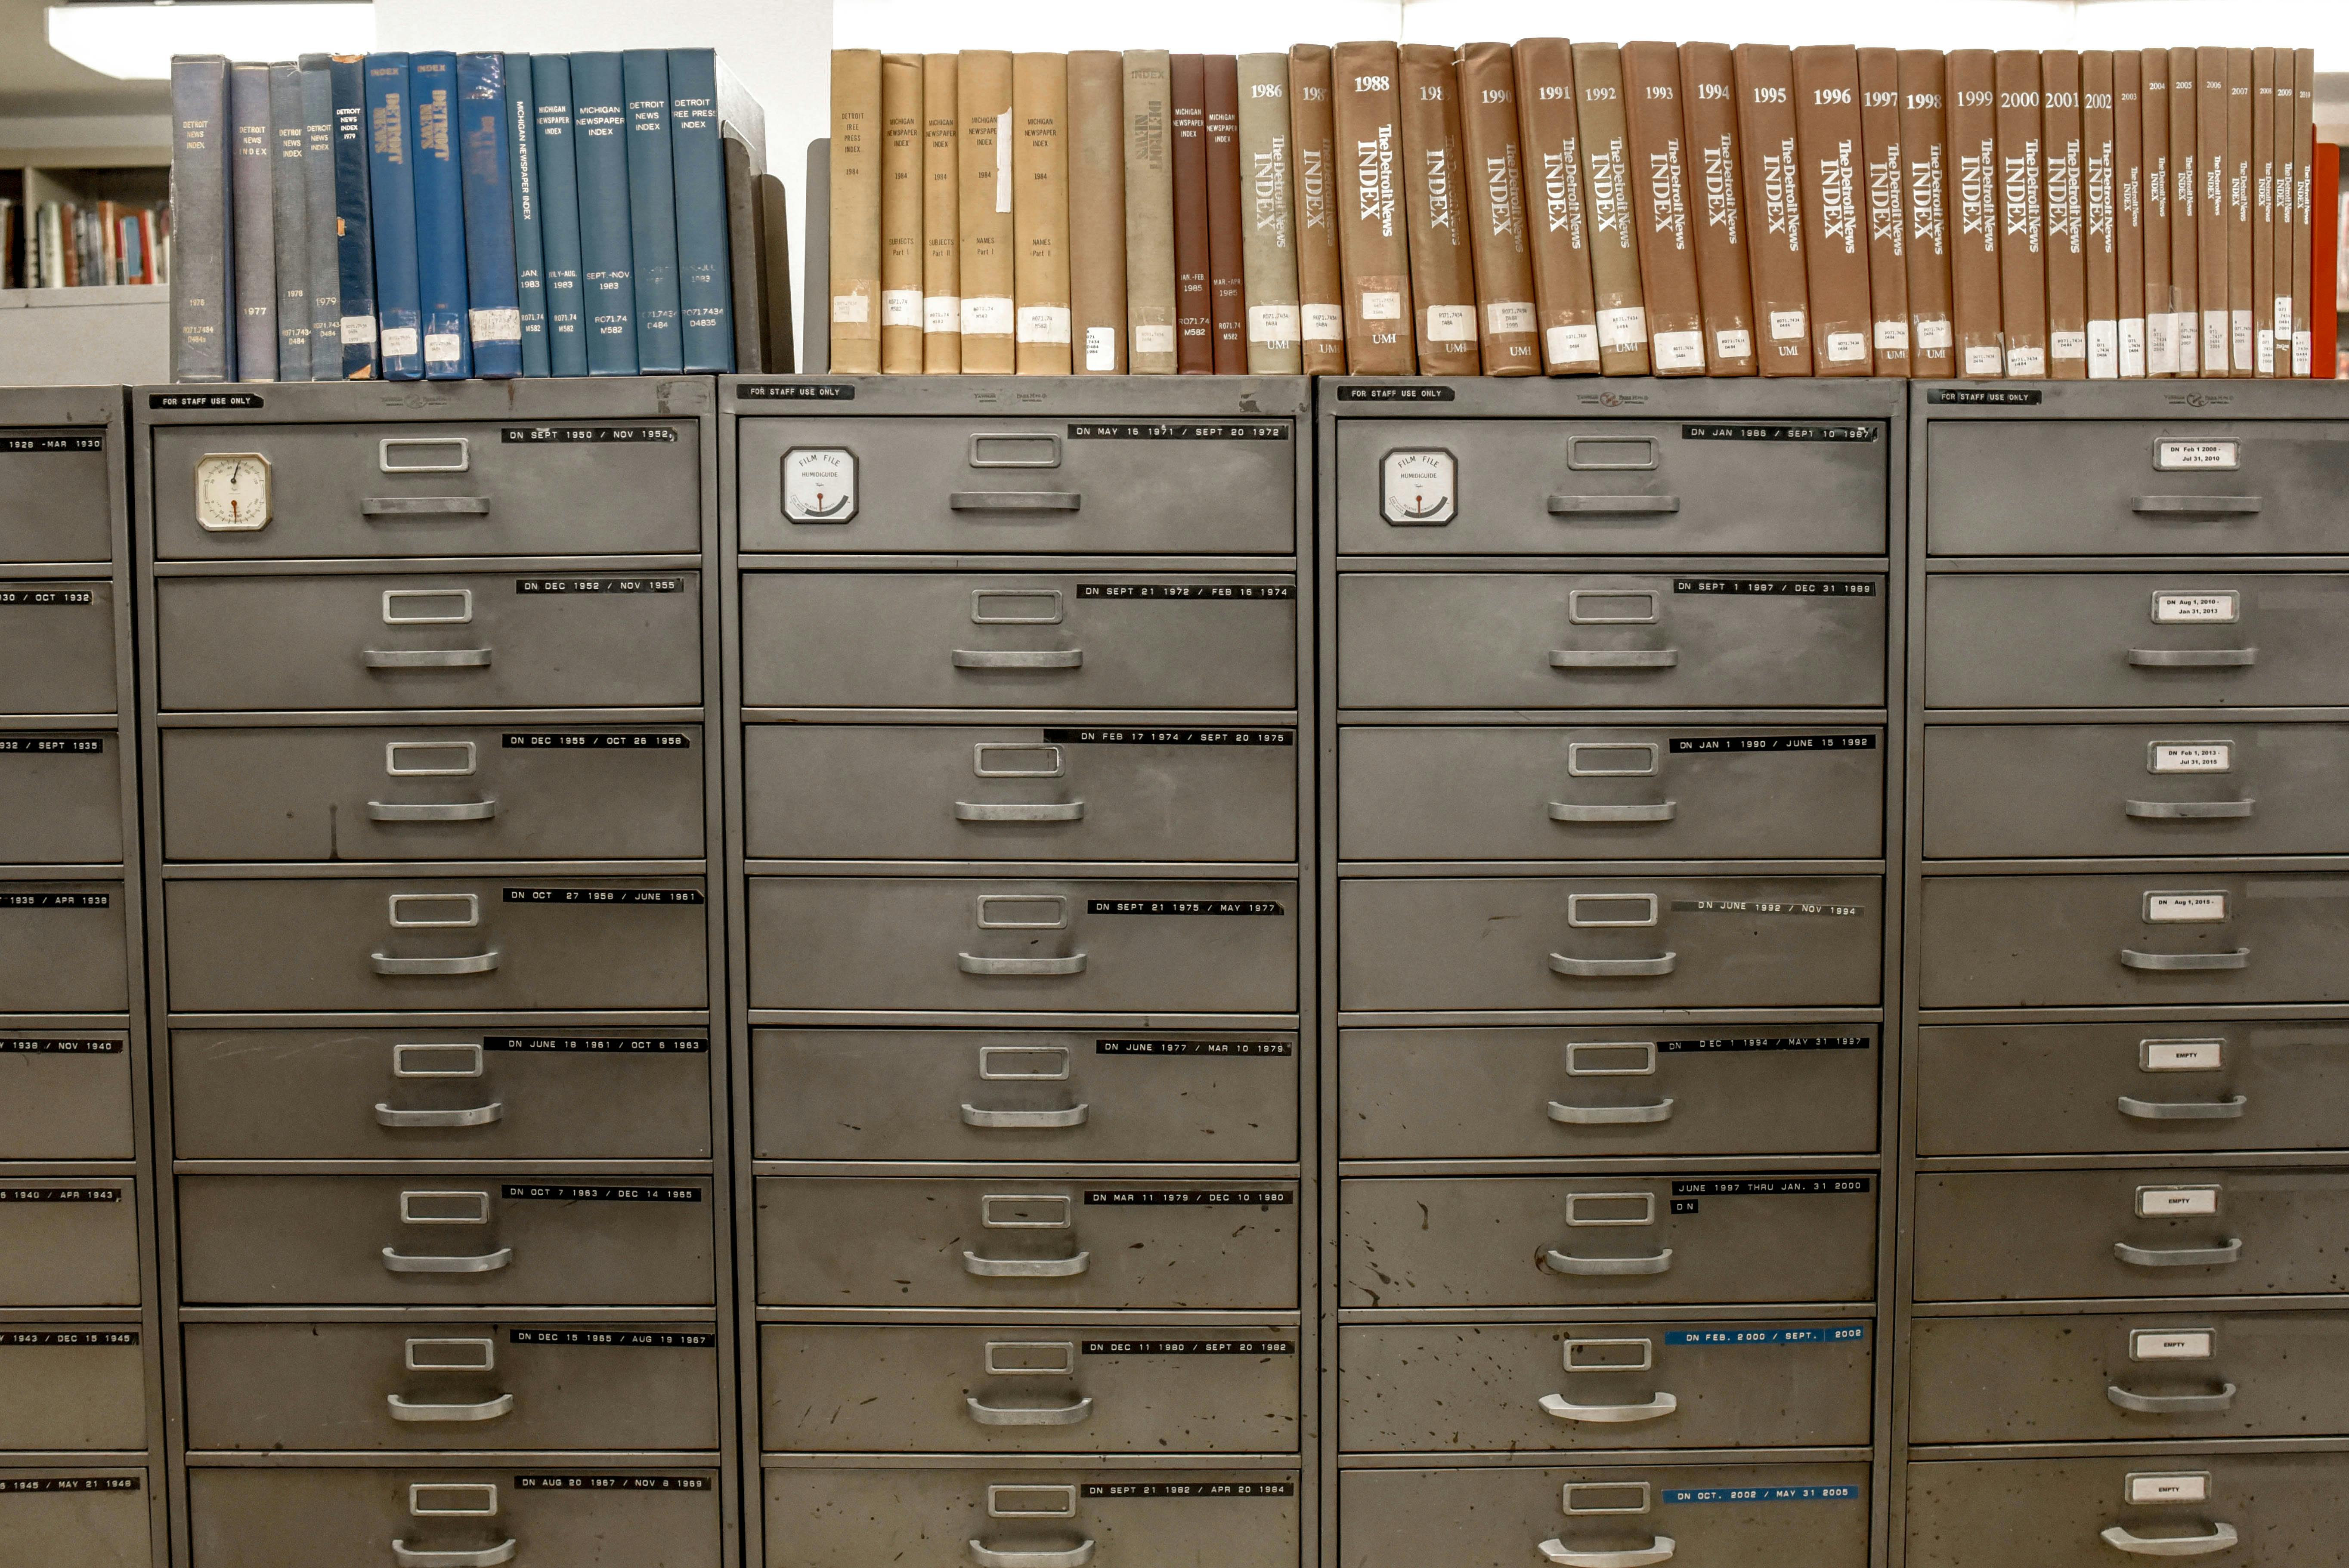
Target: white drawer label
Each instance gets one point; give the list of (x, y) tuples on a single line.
[(2169, 456), (2194, 1487), (2196, 609), (819, 484), (2162, 1202), (2184, 908), (2181, 1056), (1418, 489), (2171, 1344), (2193, 757)]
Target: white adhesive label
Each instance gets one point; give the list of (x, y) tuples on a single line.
[(497, 325), (2190, 360), (2026, 363), (399, 340), (2282, 316), (1101, 348), (2214, 339), (2195, 1488), (1044, 324), (2169, 456), (989, 317), (2221, 608), (2133, 348), (1737, 344), (1982, 360), (850, 309), (941, 313), (2192, 757), (1153, 340), (1786, 325), (1509, 315), (1680, 350), (2163, 1202), (1451, 323), (358, 329), (2181, 1056), (2264, 351), (1847, 347), (2171, 1344), (2184, 908), (2239, 331), (1272, 323), (1323, 322), (1574, 345), (1623, 328), (1892, 337), (2301, 353), (1381, 305), (2161, 343), (2067, 346), (443, 347), (901, 307), (1934, 334), (2103, 352)]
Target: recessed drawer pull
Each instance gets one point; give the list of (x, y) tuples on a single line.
[(2230, 1250), (487, 1410), (1019, 658), (402, 1556), (2193, 505), (2183, 1109), (981, 811), (450, 811), (425, 506), (471, 1115), (1658, 1549), (1567, 811), (1661, 1405), (1026, 1268), (1566, 1264), (2237, 958), (2193, 658), (1613, 658), (2188, 810), (1612, 968), (428, 658), (974, 1116), (1616, 505), (1015, 500), (1029, 1414), (2222, 1537), (470, 963), (972, 964), (476, 1262), (2171, 1404), (1610, 1115), (1074, 1557)]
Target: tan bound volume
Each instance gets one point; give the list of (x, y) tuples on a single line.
[(989, 267), (1373, 233), (2303, 230), (1149, 215), (2185, 197), (1549, 130), (2160, 305), (1268, 250), (1925, 195), (1974, 311), (2128, 211), (1313, 207), (2210, 214), (1614, 241), (2289, 154), (1774, 207), (2237, 195), (2022, 216), (1659, 207), (2065, 203), (901, 214), (1097, 211), (1442, 272), (1508, 338), (1887, 249), (941, 224), (1827, 134), (1717, 208), (2098, 120), (857, 212), (1040, 214), (2263, 174)]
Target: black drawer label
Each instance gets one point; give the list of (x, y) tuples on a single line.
[(599, 585), (1157, 430), (27, 1047), (599, 1192), (1173, 736), (627, 1045), (52, 443), (1763, 1493), (1768, 1043), (57, 900), (591, 740), (60, 1195), (1768, 1186), (12, 1338), (1182, 906), (1982, 395), (574, 435), (1706, 743), (69, 1483), (623, 1339), (1189, 1347), (1754, 430), (1811, 587), (1761, 906), (1167, 1198), (1186, 590), (591, 1482), (50, 745), (1834, 1333), (204, 399), (1193, 1049), (1395, 395), (67, 596), (604, 895), (797, 392), (1191, 1488)]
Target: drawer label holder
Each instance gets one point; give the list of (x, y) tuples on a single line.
[(632, 1045), (20, 1047), (1161, 430), (47, 596), (1835, 1334), (619, 1338), (19, 1484), (1172, 736), (1761, 906), (1762, 1493), (1754, 430), (604, 895), (1164, 1197), (594, 1482), (599, 585), (1222, 591), (1701, 743), (91, 443), (593, 740), (11, 1339), (1182, 906), (60, 1195), (1193, 1049), (1190, 1489), (1806, 587), (1768, 1043), (1189, 1347), (600, 1193), (580, 434), (51, 744)]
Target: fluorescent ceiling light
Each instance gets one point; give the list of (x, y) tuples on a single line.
[(137, 42)]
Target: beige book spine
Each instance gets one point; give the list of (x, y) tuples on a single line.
[(1925, 195), (1717, 208), (2304, 231), (1374, 226), (1097, 213), (2211, 246), (2098, 119), (1149, 214), (990, 264), (1773, 228), (2289, 157), (1614, 226), (1508, 338), (2185, 198), (2063, 201), (1267, 231), (901, 214), (1656, 160), (1040, 212), (1888, 246), (1549, 132), (1975, 272), (2240, 340), (855, 253), (1828, 135), (2128, 211), (2160, 188), (1442, 275), (2022, 216), (1313, 197), (941, 219), (2263, 174)]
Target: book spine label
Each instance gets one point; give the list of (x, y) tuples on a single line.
[(1659, 207), (493, 298), (2159, 186), (203, 337), (439, 218), (290, 221), (1150, 284), (1194, 308), (1764, 76), (1039, 181), (941, 219), (1549, 129), (325, 285), (1614, 225), (2098, 210), (2060, 131), (652, 211), (855, 231), (1509, 331), (1925, 194), (1268, 250), (558, 173), (1320, 287), (2021, 215), (1723, 271), (530, 247), (599, 119), (354, 218), (1827, 134), (391, 187), (2128, 213), (990, 268), (2238, 196), (901, 214), (1227, 217), (1374, 227), (2263, 176), (1885, 219), (1443, 283)]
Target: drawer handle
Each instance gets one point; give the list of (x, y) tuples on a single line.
[(2188, 810), (1029, 1414), (2204, 505), (476, 1262), (2237, 958), (1658, 1550), (425, 506), (1612, 968), (1014, 501), (487, 1557), (1074, 1557), (2231, 1251), (1567, 811), (1019, 658), (1661, 1405), (974, 1116), (1616, 505), (982, 811), (1610, 1115), (1567, 1264), (450, 811), (1613, 658), (2171, 1404), (471, 1115), (972, 964), (2193, 658), (2220, 1539), (1026, 1268), (2183, 1109), (428, 658), (470, 964), (487, 1410)]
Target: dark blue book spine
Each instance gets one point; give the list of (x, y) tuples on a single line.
[(391, 188), (495, 309), (704, 284), (354, 225), (440, 217), (558, 220), (251, 161), (522, 174), (599, 119), (652, 210)]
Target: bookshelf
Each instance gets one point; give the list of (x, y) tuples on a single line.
[(82, 178)]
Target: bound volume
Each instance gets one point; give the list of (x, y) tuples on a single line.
[(1550, 129), (1827, 133), (1443, 283), (1614, 242), (1772, 166), (1508, 339), (1717, 207), (1659, 205), (1372, 234)]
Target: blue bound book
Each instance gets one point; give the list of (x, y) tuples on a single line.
[(704, 284), (495, 312), (391, 190), (522, 174), (599, 119), (354, 229), (439, 216), (558, 220), (652, 210)]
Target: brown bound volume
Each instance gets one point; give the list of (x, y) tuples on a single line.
[(2128, 211), (2288, 156), (1974, 215), (901, 214), (1550, 125), (1320, 312), (1827, 133), (983, 105), (1040, 216), (1606, 179), (2185, 197), (1508, 341), (855, 211), (1887, 249), (2303, 229), (1724, 274), (1659, 207), (1925, 183), (2237, 195), (2097, 112), (1269, 253), (2161, 333), (1097, 211), (2210, 207), (2263, 173), (1774, 209), (1149, 214), (1194, 304), (1227, 223), (941, 220), (2066, 230), (2022, 216), (1373, 239), (1443, 280)]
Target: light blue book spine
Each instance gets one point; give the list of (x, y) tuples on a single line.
[(440, 217), (558, 222), (705, 284), (521, 173), (652, 210), (599, 119), (493, 308), (391, 201)]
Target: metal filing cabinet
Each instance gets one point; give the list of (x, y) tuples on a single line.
[(2125, 1162), (81, 1424), (436, 949), (1020, 794), (1607, 687)]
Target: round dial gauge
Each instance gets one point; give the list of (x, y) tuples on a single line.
[(232, 491)]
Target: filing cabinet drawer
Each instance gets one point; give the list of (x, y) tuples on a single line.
[(912, 943), (65, 799), (448, 640), (2128, 1377), (989, 1242), (1088, 1388), (2182, 638), (923, 639), (1617, 639), (581, 487), (2072, 1513), (2194, 788), (57, 648), (1518, 1386), (446, 1237), (451, 1384), (77, 1518), (1078, 793), (439, 1094), (71, 1386), (429, 943), (1548, 1093), (62, 947), (2166, 1232), (68, 1241), (2127, 1089), (2113, 487), (2133, 939), (65, 1096), (1022, 1094), (290, 1518), (1723, 1516), (1611, 486), (1600, 1241), (512, 793), (1689, 793), (53, 500), (1436, 942), (1222, 486)]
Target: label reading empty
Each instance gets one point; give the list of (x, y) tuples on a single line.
[(2193, 757), (2192, 609), (2181, 1056), (2184, 908), (2171, 455), (2171, 1344), (2194, 1487), (2159, 1202)]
